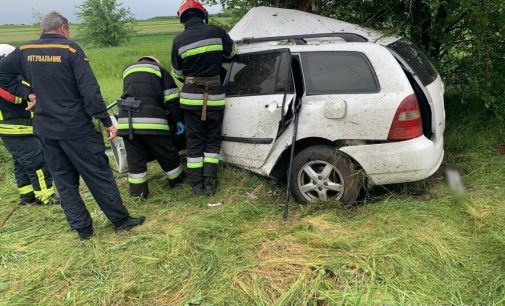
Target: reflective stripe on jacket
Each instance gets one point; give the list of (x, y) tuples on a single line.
[(200, 51), (159, 95), (15, 130)]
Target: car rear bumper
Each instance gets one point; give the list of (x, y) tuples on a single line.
[(398, 162)]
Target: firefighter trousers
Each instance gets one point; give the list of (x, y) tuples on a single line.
[(203, 144), (68, 159), (30, 170), (144, 148)]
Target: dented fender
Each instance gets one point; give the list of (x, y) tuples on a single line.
[(398, 162)]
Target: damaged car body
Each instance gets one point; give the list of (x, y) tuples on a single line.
[(371, 106)]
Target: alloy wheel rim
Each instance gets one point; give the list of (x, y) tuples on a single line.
[(320, 180)]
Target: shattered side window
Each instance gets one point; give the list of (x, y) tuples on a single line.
[(285, 82), (256, 74), (338, 73)]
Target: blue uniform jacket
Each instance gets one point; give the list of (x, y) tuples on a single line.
[(68, 94)]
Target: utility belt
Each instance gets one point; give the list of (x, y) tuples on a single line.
[(202, 81), (130, 105), (205, 84)]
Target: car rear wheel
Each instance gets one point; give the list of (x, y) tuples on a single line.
[(321, 174)]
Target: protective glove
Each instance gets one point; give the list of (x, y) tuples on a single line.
[(180, 128)]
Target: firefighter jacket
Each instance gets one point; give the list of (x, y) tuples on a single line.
[(14, 119), (200, 51), (159, 95), (68, 95)]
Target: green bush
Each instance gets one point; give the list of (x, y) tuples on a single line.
[(105, 23)]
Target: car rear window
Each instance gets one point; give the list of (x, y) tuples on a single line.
[(338, 73), (259, 74), (416, 59)]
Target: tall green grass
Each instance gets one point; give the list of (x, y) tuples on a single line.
[(412, 244), (108, 64)]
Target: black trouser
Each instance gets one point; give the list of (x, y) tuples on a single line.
[(70, 158), (32, 175), (203, 143), (142, 149)]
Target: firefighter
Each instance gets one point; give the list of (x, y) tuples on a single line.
[(149, 94), (68, 96), (197, 58), (33, 179)]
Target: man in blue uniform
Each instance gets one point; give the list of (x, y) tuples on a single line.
[(197, 58), (33, 179), (68, 96)]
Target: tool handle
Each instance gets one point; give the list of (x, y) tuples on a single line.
[(205, 102), (130, 125)]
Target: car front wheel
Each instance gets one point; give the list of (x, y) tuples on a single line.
[(321, 174)]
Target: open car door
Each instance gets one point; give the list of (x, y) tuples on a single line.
[(427, 81), (259, 89)]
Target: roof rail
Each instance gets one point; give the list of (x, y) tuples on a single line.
[(348, 37)]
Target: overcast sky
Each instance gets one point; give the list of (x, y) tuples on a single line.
[(20, 11)]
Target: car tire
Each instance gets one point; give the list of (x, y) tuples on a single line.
[(322, 174)]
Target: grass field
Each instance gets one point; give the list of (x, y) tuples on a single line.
[(410, 244), (16, 34)]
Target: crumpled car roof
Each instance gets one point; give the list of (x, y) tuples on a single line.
[(261, 22)]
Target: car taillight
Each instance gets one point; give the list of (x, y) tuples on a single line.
[(407, 123)]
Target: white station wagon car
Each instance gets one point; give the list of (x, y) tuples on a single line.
[(370, 107)]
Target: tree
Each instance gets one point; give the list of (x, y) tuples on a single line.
[(37, 16), (464, 38), (105, 23)]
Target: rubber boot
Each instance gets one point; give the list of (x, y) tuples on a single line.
[(198, 188), (210, 185), (177, 181), (139, 190)]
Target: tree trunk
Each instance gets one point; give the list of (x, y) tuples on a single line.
[(422, 22)]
